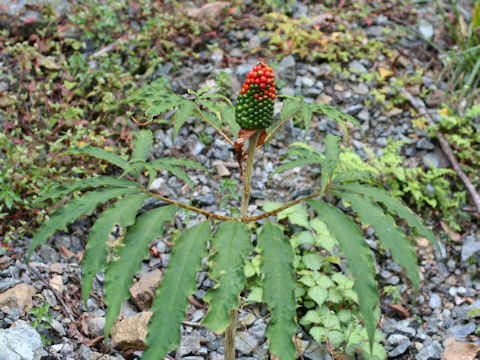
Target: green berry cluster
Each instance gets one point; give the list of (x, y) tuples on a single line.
[(254, 108)]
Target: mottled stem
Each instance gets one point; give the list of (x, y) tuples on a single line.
[(232, 326)]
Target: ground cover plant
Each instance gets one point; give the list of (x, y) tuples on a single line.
[(228, 240)]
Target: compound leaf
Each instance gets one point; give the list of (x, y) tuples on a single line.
[(83, 184), (394, 206), (141, 145), (293, 164), (232, 245), (389, 234), (307, 116), (181, 162), (360, 262), (174, 170), (179, 281), (128, 260), (289, 107), (73, 210), (279, 290), (101, 154), (123, 213), (332, 153), (352, 175), (182, 114)]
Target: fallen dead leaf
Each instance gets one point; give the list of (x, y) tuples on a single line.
[(455, 236), (211, 10), (400, 309), (47, 63), (458, 350), (64, 251), (386, 73)]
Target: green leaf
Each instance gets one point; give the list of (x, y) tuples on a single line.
[(232, 245), (299, 215), (101, 154), (181, 162), (174, 170), (72, 211), (279, 290), (216, 96), (228, 116), (141, 145), (312, 261), (179, 281), (352, 175), (128, 260), (83, 184), (332, 152), (293, 164), (360, 262), (182, 114), (394, 206), (307, 116), (123, 213), (334, 113), (289, 107), (388, 233), (318, 294)]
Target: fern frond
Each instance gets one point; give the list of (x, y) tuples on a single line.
[(128, 260), (123, 213), (179, 281), (387, 231), (279, 290), (72, 211), (394, 206), (102, 154), (360, 262), (83, 184), (232, 245)]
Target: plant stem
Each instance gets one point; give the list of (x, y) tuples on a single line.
[(230, 332), (197, 110)]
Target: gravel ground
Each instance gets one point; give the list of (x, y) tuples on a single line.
[(450, 283)]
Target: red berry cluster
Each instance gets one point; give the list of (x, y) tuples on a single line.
[(265, 78), (254, 109)]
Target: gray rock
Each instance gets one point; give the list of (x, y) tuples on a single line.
[(400, 348), (258, 331), (357, 67), (287, 91), (287, 68), (84, 353), (470, 246), (364, 115), (48, 254), (462, 331), (20, 344), (58, 327), (189, 344), (205, 200), (96, 325), (245, 343), (307, 81), (374, 31), (424, 144), (426, 30), (7, 283), (432, 351), (316, 351), (435, 301)]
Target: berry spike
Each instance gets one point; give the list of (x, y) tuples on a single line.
[(254, 109)]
